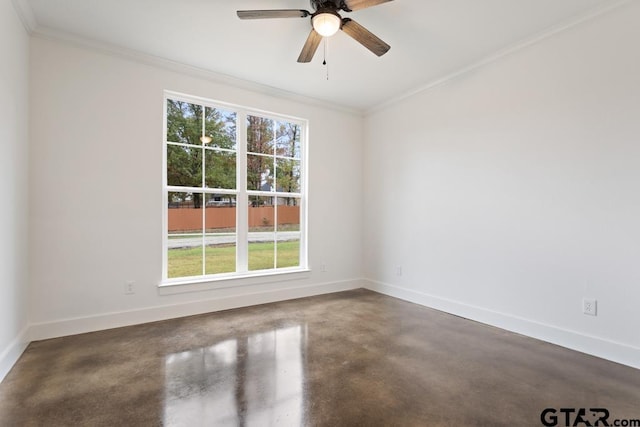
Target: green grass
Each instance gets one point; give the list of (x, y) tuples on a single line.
[(184, 262)]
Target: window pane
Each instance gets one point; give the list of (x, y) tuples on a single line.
[(220, 126), (184, 122), (259, 135), (184, 166), (184, 242), (220, 221), (220, 169), (288, 252), (288, 175), (184, 213), (261, 214), (261, 233), (259, 173), (185, 261), (288, 232), (288, 213), (288, 139)]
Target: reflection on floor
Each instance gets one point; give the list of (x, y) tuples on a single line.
[(204, 384), (344, 359)]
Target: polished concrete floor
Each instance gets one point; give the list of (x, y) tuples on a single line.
[(354, 358)]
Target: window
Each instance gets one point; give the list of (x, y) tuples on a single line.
[(234, 191)]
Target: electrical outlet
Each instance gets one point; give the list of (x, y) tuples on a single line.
[(323, 268), (590, 306), (129, 288), (398, 271)]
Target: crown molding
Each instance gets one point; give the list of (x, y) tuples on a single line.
[(523, 44), (182, 68), (26, 15)]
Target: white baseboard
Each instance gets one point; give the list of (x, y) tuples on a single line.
[(595, 346), (79, 325), (12, 353)]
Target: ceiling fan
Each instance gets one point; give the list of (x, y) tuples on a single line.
[(325, 22)]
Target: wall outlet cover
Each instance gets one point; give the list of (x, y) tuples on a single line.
[(590, 306)]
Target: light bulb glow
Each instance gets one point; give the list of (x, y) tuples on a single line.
[(326, 24)]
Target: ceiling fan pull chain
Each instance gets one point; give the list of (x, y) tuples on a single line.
[(324, 47), (324, 62)]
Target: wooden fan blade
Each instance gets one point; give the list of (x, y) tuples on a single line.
[(363, 4), (273, 13), (365, 37), (310, 47)]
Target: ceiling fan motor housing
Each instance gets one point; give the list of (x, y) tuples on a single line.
[(334, 5)]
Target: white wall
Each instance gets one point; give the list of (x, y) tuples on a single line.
[(511, 192), (14, 66), (96, 192)]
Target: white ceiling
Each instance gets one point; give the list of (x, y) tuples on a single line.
[(429, 39)]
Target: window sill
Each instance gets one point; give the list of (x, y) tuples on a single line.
[(179, 286)]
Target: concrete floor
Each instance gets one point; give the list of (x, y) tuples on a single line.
[(354, 358)]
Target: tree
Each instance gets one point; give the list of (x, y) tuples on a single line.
[(220, 165), (288, 170), (184, 164), (259, 140)]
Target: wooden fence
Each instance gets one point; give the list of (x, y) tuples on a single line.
[(188, 220)]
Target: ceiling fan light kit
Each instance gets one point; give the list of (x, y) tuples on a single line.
[(325, 22)]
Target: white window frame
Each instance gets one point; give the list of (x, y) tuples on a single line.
[(242, 276)]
